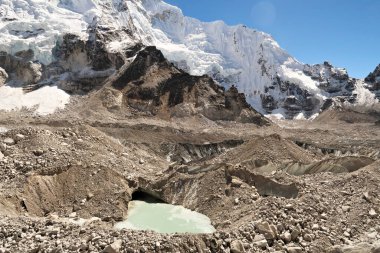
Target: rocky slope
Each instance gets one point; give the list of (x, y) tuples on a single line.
[(373, 81), (272, 80)]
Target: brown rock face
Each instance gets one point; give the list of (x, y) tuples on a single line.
[(373, 79), (3, 76), (152, 84)]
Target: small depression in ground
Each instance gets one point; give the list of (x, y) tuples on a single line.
[(148, 213)]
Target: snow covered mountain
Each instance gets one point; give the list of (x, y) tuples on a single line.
[(274, 82)]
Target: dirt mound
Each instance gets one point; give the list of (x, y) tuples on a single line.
[(90, 192), (335, 165), (347, 116), (267, 150)]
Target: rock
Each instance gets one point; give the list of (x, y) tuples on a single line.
[(315, 227), (19, 137), (294, 250), (237, 247), (38, 152), (274, 230), (346, 208), (112, 99), (235, 182), (236, 201), (308, 237), (260, 241), (114, 247), (3, 76), (141, 161), (73, 215), (289, 207), (372, 213), (90, 196), (367, 197), (3, 147), (372, 235), (295, 233), (357, 248), (9, 141), (266, 230), (1, 156), (255, 196), (286, 237)]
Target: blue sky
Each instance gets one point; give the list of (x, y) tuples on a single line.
[(344, 32)]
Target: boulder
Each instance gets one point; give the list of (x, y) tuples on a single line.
[(265, 229), (237, 247)]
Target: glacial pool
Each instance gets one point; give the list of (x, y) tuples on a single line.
[(164, 218)]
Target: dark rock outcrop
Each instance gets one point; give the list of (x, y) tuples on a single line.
[(155, 86), (373, 81), (295, 101), (19, 67), (3, 76)]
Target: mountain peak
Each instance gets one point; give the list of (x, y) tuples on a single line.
[(273, 81)]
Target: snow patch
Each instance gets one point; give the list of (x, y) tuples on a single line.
[(43, 101), (364, 96)]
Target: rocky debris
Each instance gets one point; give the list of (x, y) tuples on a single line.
[(3, 76), (112, 99), (87, 174)]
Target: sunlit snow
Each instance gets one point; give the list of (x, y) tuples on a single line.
[(42, 101)]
